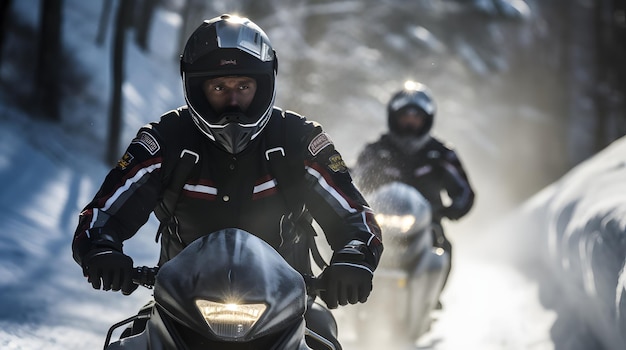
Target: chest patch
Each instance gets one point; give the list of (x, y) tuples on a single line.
[(123, 163)]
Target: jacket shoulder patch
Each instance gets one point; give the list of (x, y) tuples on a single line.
[(148, 142), (318, 143)]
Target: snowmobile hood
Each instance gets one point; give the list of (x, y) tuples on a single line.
[(226, 266)]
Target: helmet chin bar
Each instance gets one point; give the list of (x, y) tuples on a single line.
[(410, 144), (233, 137), (233, 117)]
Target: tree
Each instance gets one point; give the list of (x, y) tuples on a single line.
[(49, 59), (610, 96), (104, 20), (122, 23), (5, 5), (131, 14), (144, 14), (192, 14)]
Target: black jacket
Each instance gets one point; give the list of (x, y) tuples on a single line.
[(433, 168), (225, 190)]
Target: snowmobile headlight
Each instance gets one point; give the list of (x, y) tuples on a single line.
[(395, 223), (230, 321)]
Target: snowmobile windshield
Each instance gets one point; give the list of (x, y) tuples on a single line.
[(400, 209)]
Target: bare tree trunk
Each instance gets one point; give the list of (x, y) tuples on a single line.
[(619, 44), (193, 14), (602, 43), (103, 22), (122, 22), (582, 82), (144, 14), (611, 54), (49, 59), (5, 7)]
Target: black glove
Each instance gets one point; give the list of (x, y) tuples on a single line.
[(109, 269), (453, 212), (348, 279)]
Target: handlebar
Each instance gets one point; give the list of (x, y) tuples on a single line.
[(314, 285), (145, 276)]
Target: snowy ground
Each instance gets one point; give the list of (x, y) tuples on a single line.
[(45, 302), (489, 303)]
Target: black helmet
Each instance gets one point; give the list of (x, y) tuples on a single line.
[(229, 46), (413, 95)]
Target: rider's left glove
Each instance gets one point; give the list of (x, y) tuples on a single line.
[(348, 279), (454, 212), (109, 269)]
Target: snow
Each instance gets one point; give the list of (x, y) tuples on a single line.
[(44, 300), (530, 280)]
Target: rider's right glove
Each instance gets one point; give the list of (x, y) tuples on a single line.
[(348, 279), (109, 269)]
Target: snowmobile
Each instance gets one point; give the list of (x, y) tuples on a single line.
[(411, 273), (226, 290)]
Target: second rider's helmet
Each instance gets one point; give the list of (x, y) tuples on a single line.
[(229, 46), (413, 95)]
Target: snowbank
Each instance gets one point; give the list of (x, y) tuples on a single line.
[(580, 225)]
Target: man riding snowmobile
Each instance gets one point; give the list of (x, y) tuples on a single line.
[(230, 158)]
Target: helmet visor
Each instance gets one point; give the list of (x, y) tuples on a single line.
[(198, 101)]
